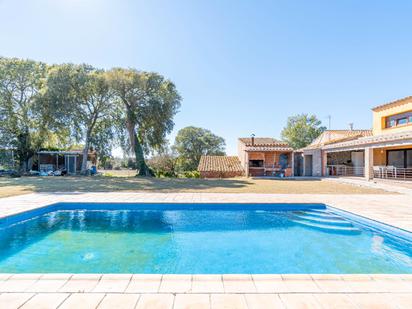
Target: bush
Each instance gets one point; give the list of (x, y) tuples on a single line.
[(163, 174), (163, 165), (191, 174)]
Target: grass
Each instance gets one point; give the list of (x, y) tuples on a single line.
[(121, 182)]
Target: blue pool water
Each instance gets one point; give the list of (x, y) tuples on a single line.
[(252, 238)]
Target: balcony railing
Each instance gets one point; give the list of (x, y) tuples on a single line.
[(392, 172), (344, 170)]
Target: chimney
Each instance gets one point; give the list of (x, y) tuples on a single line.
[(351, 126), (253, 139)]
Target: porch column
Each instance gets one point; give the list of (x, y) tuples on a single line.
[(304, 165), (247, 164), (368, 163), (324, 162), (293, 164)]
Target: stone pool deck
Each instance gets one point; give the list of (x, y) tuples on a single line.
[(213, 291)]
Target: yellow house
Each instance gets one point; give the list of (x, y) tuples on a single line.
[(384, 152), (393, 117)]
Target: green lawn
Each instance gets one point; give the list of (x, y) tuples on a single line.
[(22, 185)]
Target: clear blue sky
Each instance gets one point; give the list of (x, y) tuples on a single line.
[(241, 66)]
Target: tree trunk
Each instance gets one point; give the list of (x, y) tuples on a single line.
[(23, 150), (142, 168), (84, 170)]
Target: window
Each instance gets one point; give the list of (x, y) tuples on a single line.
[(255, 163), (398, 120), (400, 158), (396, 158), (402, 121)]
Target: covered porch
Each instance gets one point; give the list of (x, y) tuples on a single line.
[(393, 163), (270, 163), (66, 161), (379, 157), (345, 163)]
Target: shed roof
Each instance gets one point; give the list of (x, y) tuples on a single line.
[(64, 152), (220, 164), (262, 141)]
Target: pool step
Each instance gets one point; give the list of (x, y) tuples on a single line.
[(327, 227), (334, 221), (325, 216), (321, 214)]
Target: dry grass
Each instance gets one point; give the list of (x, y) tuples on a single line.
[(16, 186)]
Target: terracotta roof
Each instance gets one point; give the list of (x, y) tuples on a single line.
[(262, 141), (268, 148), (334, 136), (393, 103), (375, 139), (220, 164)]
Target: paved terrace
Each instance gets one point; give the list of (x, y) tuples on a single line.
[(212, 291)]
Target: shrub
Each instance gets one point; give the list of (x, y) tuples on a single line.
[(191, 174), (163, 165)]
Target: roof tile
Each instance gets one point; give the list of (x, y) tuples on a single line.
[(392, 104), (220, 164)]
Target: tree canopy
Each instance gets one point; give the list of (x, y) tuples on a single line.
[(148, 103), (61, 105), (191, 143), (81, 98), (22, 123), (301, 130)]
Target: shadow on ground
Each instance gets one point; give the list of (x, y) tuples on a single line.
[(22, 185), (102, 184)]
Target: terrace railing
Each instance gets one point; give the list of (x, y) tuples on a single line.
[(344, 170), (392, 172)]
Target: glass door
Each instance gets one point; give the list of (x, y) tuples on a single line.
[(71, 164), (409, 158)]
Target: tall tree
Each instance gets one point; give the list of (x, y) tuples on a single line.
[(301, 130), (191, 143), (21, 117), (83, 98), (149, 103)]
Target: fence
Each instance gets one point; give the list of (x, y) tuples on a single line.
[(392, 172), (344, 170)]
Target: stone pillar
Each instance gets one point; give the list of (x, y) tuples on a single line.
[(317, 163), (293, 163), (368, 163)]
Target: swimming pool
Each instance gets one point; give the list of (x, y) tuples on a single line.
[(199, 238)]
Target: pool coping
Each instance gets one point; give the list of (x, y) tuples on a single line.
[(374, 224), (204, 291)]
